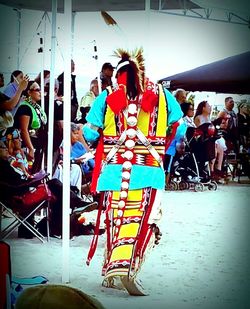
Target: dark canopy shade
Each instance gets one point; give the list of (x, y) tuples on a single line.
[(230, 75), (100, 5)]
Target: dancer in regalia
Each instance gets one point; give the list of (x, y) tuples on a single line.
[(135, 123)]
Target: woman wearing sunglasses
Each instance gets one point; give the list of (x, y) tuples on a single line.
[(31, 119)]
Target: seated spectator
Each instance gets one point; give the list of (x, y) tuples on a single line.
[(79, 153), (14, 173), (79, 158), (7, 159), (176, 146), (11, 173), (15, 150), (87, 100)]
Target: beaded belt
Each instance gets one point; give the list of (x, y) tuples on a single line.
[(139, 159)]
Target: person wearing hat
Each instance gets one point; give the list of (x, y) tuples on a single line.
[(135, 123), (106, 75), (52, 296)]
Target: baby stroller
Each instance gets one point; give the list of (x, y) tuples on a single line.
[(191, 170)]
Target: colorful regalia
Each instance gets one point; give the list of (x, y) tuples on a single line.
[(135, 123)]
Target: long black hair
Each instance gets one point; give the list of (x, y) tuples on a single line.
[(200, 108), (132, 78), (185, 107), (14, 74)]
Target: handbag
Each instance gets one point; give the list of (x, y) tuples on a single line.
[(32, 198)]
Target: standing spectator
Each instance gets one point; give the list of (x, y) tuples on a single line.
[(180, 95), (58, 118), (232, 133), (87, 100), (46, 76), (74, 102), (213, 150), (106, 75), (7, 104), (12, 87), (31, 119), (202, 114), (244, 125), (188, 112)]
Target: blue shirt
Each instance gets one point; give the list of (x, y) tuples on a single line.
[(77, 150), (10, 91)]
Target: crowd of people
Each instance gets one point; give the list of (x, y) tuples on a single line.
[(130, 129), (24, 123), (227, 132), (24, 139)]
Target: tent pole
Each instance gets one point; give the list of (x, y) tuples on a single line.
[(147, 30), (97, 67), (73, 33), (18, 36), (41, 50), (66, 138), (51, 88)]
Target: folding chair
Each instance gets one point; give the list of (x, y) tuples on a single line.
[(37, 195), (86, 184)]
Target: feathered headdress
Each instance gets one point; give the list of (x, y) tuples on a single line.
[(132, 64), (136, 58), (108, 19)]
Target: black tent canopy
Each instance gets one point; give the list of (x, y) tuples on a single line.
[(229, 75)]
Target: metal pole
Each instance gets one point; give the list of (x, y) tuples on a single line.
[(42, 69), (147, 29), (41, 50), (51, 88), (73, 33), (97, 67), (66, 138), (18, 36)]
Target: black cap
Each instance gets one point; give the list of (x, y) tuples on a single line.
[(107, 65)]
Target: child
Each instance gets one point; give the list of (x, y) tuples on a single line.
[(81, 160), (79, 154)]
